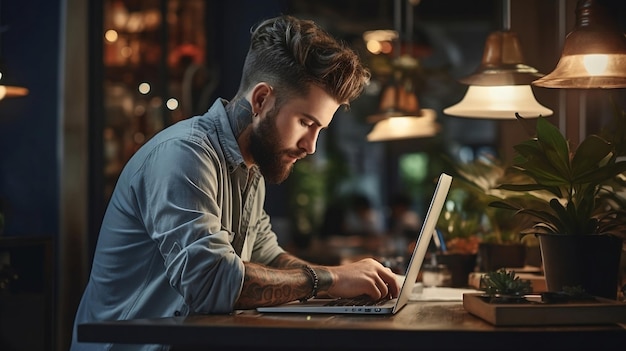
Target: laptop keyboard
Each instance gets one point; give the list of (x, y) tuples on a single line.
[(357, 301)]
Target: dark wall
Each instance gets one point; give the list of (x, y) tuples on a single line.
[(29, 161), (230, 23)]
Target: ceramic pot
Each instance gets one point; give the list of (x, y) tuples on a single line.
[(460, 266), (587, 261)]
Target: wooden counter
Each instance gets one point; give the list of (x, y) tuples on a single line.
[(418, 326)]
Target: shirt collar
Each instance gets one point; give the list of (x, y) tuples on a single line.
[(226, 137)]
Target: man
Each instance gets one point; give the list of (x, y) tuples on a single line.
[(185, 231)]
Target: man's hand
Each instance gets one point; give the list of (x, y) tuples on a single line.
[(286, 280), (364, 277)]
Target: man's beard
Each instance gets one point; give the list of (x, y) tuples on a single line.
[(265, 149)]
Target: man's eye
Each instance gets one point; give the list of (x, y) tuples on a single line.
[(305, 123)]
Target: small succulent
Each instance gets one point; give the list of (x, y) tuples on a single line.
[(504, 283)]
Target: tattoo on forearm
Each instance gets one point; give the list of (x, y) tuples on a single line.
[(286, 260), (285, 280), (265, 286)]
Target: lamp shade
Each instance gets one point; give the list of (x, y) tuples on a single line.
[(498, 102), (594, 53), (502, 62), (405, 127), (500, 87), (399, 114), (396, 101)]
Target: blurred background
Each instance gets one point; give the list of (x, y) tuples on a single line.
[(103, 76)]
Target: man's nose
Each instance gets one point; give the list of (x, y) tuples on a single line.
[(309, 141)]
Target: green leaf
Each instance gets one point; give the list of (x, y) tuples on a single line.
[(554, 145), (534, 161), (529, 149), (504, 205), (568, 223), (589, 154), (601, 175)]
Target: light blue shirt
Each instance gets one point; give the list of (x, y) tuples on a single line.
[(164, 248)]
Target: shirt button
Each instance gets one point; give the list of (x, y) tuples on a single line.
[(176, 313)]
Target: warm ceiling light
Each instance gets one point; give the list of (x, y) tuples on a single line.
[(405, 127), (498, 102), (7, 91), (400, 115), (377, 41), (501, 85), (502, 62), (399, 97), (594, 53)]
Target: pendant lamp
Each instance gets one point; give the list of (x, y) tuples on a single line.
[(405, 127), (7, 91), (501, 85), (594, 53), (400, 115)]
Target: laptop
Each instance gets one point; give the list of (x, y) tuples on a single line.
[(389, 306)]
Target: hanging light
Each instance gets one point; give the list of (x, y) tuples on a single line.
[(400, 115), (501, 85), (405, 127), (7, 91), (498, 102), (594, 53)]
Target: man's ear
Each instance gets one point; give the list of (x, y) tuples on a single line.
[(262, 98)]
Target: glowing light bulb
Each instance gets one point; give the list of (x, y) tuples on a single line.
[(172, 104), (144, 88), (595, 64)]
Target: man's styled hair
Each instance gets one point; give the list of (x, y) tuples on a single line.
[(290, 54)]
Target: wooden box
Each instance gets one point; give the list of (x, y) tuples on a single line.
[(597, 311)]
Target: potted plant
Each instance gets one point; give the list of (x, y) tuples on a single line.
[(572, 196), (504, 286), (500, 245)]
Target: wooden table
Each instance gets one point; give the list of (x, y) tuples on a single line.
[(418, 326)]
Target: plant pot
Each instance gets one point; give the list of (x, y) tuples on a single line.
[(587, 261), (460, 266), (493, 256)]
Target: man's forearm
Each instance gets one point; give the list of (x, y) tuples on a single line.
[(284, 281), (267, 286), (286, 260)]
